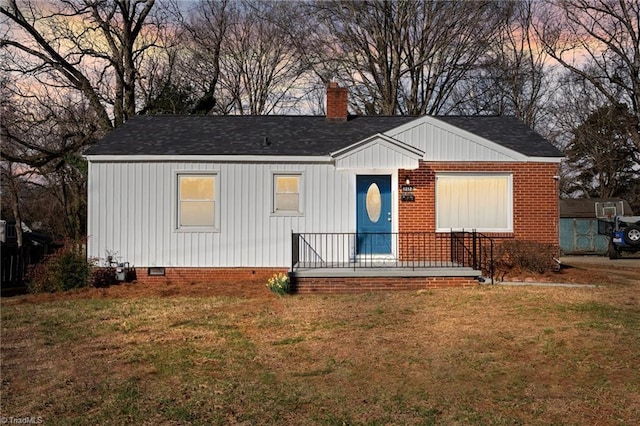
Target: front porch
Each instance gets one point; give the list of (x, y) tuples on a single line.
[(346, 263)]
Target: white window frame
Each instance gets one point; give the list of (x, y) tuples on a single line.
[(510, 195), (216, 201), (274, 176)]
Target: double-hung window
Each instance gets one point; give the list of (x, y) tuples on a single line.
[(197, 201), (480, 201), (286, 193)]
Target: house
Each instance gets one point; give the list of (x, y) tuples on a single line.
[(341, 202), (579, 223)]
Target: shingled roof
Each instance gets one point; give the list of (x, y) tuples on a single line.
[(508, 131), (586, 207), (289, 135)]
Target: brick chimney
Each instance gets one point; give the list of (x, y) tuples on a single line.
[(337, 101)]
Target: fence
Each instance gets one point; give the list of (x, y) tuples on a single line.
[(14, 260), (412, 250)]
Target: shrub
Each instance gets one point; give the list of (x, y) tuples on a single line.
[(525, 256), (66, 269), (279, 284), (103, 276)]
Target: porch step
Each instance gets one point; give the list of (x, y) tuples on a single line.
[(378, 279), (384, 272)]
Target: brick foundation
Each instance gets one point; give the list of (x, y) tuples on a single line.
[(367, 284), (303, 285), (193, 275)]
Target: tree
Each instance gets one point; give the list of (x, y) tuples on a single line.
[(242, 56), (171, 99), (31, 49), (262, 65), (98, 59), (403, 57), (514, 77), (42, 142), (362, 45), (75, 72), (205, 27), (599, 41), (603, 156), (13, 180)]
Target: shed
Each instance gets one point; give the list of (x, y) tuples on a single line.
[(579, 223)]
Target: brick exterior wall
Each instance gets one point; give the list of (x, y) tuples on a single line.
[(535, 198), (193, 275), (368, 284)]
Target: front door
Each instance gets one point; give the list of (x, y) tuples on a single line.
[(374, 214)]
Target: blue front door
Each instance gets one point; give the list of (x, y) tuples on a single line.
[(374, 214)]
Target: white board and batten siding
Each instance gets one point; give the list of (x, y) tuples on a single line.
[(133, 199), (378, 152), (441, 141), (133, 212)]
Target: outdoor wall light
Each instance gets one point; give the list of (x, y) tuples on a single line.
[(407, 191)]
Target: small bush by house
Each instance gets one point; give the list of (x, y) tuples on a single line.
[(66, 269), (524, 256), (103, 276)]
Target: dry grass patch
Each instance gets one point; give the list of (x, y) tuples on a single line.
[(487, 355)]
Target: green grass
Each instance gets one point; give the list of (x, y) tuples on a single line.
[(488, 355), (290, 340), (603, 316)]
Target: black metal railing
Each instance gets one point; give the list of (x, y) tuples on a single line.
[(392, 250), (473, 249)]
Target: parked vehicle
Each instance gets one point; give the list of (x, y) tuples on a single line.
[(624, 234)]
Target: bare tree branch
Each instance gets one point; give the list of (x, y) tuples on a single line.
[(607, 34), (50, 55)]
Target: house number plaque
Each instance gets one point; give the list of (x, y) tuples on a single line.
[(407, 193)]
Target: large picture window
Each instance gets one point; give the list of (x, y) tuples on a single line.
[(286, 194), (196, 201), (483, 202)]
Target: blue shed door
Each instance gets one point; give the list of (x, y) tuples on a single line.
[(580, 236), (373, 209)]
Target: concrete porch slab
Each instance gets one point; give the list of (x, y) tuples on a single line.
[(383, 272)]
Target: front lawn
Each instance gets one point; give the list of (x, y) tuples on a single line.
[(487, 355)]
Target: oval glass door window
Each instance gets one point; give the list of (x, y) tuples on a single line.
[(374, 202)]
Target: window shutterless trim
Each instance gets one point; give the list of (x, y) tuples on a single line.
[(274, 193), (470, 175), (177, 201)]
